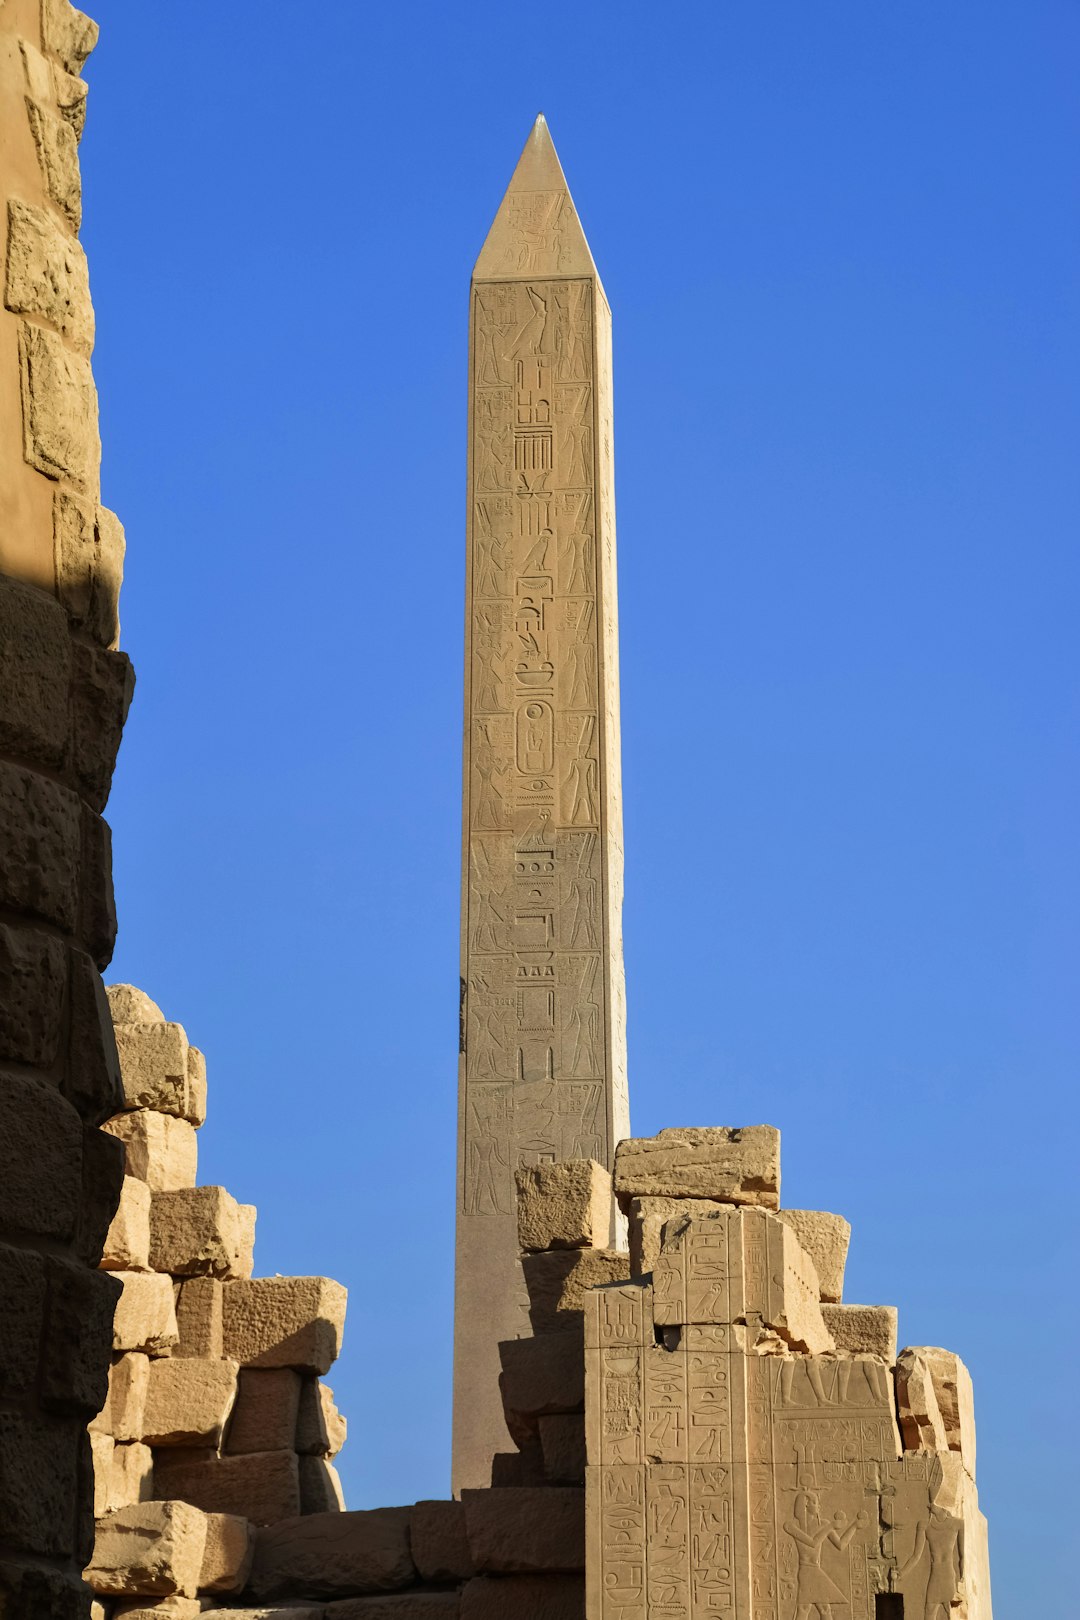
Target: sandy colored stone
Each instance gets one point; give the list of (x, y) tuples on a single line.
[(284, 1322), (167, 1608), (146, 1315), (68, 32), (154, 1066), (244, 1258), (646, 1218), (321, 1430), (562, 1444), (47, 274), (825, 1238), (953, 1394), (554, 1597), (60, 419), (123, 1413), (526, 1530), (440, 1546), (58, 158), (197, 1231), (557, 1281), (88, 555), (320, 1486), (230, 1544), (127, 1245), (152, 1549), (921, 1424), (265, 1415), (566, 1205), (161, 1149), (863, 1329), (188, 1401), (545, 1374), (294, 1611), (123, 1475), (263, 1486), (731, 1164), (130, 1005), (334, 1555), (199, 1317), (196, 1087)]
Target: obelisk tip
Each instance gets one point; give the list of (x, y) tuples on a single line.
[(536, 230)]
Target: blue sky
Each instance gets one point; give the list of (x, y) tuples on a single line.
[(840, 245)]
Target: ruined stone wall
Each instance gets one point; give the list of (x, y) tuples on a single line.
[(64, 694)]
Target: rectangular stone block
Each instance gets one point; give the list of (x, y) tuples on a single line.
[(22, 1289), (263, 1486), (526, 1530), (646, 1218), (562, 1444), (153, 1549), (47, 274), (320, 1428), (60, 413), (102, 686), (123, 1414), (566, 1205), (58, 159), (265, 1415), (88, 556), (33, 977), (40, 847), (558, 1597), (950, 1395), (166, 1608), (41, 1150), (161, 1149), (188, 1401), (825, 1238), (196, 1231), (732, 1164), (398, 1606), (196, 1087), (921, 1425), (127, 1244), (320, 1486), (68, 33), (230, 1543), (244, 1259), (123, 1475), (39, 1470), (199, 1318), (145, 1315), (863, 1329), (334, 1555), (557, 1281), (284, 1322), (154, 1066), (546, 1374), (77, 1341), (297, 1611), (440, 1546)]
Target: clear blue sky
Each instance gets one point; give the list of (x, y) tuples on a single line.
[(840, 244)]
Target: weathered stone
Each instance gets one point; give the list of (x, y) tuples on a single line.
[(265, 1415), (284, 1322), (161, 1149), (153, 1066), (35, 675), (198, 1317), (47, 272), (493, 1597), (58, 158), (263, 1486), (825, 1238), (149, 1549), (334, 1554), (953, 1394), (123, 1474), (397, 1606), (230, 1543), (320, 1428), (78, 1337), (294, 1611), (88, 553), (125, 1403), (320, 1486), (732, 1164), (166, 1608), (101, 1184), (39, 1472), (40, 847), (146, 1314), (188, 1401), (41, 1148), (60, 420), (558, 1280), (921, 1425), (562, 1443), (127, 1245), (97, 904), (646, 1218), (102, 687), (196, 1231), (69, 33), (22, 1289), (243, 1263), (92, 1081), (28, 1592), (526, 1531), (863, 1329), (566, 1205), (33, 976), (129, 1005), (440, 1546), (196, 1087), (546, 1374)]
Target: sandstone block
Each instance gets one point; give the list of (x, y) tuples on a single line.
[(78, 1337), (97, 908), (123, 1475), (863, 1329), (320, 1486), (397, 1606), (196, 1231), (542, 1375), (161, 1149), (564, 1206), (60, 416), (284, 1322), (320, 1428), (334, 1555), (39, 1471), (22, 1289), (102, 1447), (294, 1611), (41, 1151), (68, 33), (953, 1392), (732, 1164), (154, 1548), (35, 673), (145, 1315), (166, 1608), (127, 1245), (92, 1082), (230, 1543), (646, 1220), (199, 1318), (825, 1238), (265, 1415), (33, 974), (188, 1401), (129, 1005), (102, 1182), (526, 1530), (57, 149), (440, 1546), (491, 1597), (153, 1066), (196, 1087), (47, 273), (28, 1592), (921, 1425), (263, 1486), (102, 687), (244, 1259), (562, 1443), (40, 847), (123, 1413), (88, 553), (558, 1280)]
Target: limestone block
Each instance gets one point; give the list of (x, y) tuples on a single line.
[(33, 976), (526, 1530), (440, 1546), (562, 1443), (154, 1548), (646, 1218), (558, 1280), (123, 1475), (88, 553), (320, 1486), (145, 1315), (188, 1401), (733, 1164), (825, 1238), (397, 1606), (47, 274), (953, 1393), (125, 1404), (74, 1363), (153, 1066), (166, 1608), (334, 1555), (199, 1317), (265, 1415), (35, 675), (565, 1205), (40, 847), (921, 1425), (230, 1543), (57, 149), (69, 33), (320, 1428), (41, 1149), (128, 1005), (196, 1231), (161, 1149), (545, 1374), (127, 1245), (284, 1322), (196, 1088), (863, 1329), (263, 1486), (489, 1597)]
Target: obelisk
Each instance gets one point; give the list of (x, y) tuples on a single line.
[(542, 1073)]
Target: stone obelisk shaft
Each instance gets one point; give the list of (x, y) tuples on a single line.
[(543, 1054)]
